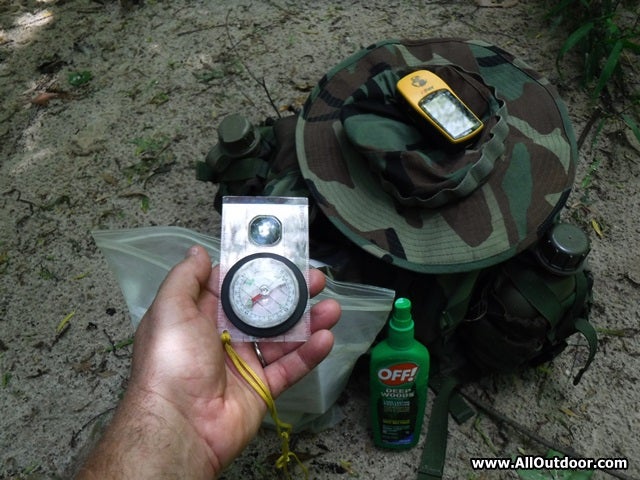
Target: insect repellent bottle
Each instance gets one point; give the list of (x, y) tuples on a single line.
[(399, 372)]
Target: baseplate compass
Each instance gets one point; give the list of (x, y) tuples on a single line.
[(264, 269), (264, 294)]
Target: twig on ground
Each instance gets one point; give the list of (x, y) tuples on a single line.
[(260, 82)]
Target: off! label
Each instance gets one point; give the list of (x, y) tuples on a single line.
[(398, 374)]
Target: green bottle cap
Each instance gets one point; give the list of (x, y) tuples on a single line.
[(402, 313), (403, 309), (401, 324), (237, 136), (563, 249)]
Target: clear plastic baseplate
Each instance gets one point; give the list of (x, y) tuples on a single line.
[(264, 269)]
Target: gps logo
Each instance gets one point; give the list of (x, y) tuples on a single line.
[(398, 374), (418, 81)]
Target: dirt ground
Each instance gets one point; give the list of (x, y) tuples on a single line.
[(115, 148)]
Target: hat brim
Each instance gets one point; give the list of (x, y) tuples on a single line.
[(506, 214)]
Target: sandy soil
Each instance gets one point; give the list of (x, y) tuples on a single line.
[(118, 150)]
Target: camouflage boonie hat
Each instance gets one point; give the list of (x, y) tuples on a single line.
[(421, 207)]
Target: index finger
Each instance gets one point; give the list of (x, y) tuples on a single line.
[(317, 281)]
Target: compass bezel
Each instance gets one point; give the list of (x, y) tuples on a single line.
[(275, 330)]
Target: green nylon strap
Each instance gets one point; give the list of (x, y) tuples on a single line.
[(587, 330), (580, 301), (458, 407), (435, 446), (583, 326), (537, 292), (457, 288)]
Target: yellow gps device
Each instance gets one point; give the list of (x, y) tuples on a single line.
[(434, 101)]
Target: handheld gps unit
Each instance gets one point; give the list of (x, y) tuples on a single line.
[(427, 95)]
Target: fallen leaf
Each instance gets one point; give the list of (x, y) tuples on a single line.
[(596, 227), (108, 178), (64, 323), (133, 195), (304, 87), (348, 468), (43, 99)]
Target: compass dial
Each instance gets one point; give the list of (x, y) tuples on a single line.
[(264, 294)]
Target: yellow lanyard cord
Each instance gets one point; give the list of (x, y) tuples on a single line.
[(283, 429)]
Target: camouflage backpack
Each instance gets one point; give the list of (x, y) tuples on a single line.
[(470, 235)]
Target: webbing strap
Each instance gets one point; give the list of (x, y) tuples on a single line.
[(582, 293), (581, 323), (459, 409), (435, 445), (538, 293), (587, 330), (458, 290)]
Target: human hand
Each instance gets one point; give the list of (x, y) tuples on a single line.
[(184, 395)]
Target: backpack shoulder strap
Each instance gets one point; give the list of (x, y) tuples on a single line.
[(458, 289), (435, 446)]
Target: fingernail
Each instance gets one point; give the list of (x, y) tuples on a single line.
[(193, 251)]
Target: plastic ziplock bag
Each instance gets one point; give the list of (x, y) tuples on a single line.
[(142, 257)]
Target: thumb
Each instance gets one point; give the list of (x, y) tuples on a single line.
[(187, 278)]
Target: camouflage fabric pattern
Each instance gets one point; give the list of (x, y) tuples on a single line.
[(421, 207)]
